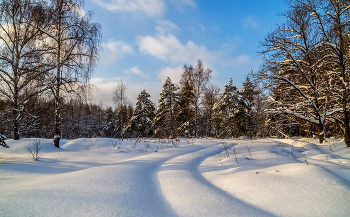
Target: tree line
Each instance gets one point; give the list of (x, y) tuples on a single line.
[(193, 108)]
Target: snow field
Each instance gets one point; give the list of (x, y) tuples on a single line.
[(89, 177), (275, 181)]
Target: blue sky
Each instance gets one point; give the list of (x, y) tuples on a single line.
[(144, 41)]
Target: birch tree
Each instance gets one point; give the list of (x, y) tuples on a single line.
[(120, 100), (22, 62), (74, 41)]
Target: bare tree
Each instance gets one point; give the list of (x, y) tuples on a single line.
[(120, 100), (74, 41), (294, 71), (22, 63), (332, 18)]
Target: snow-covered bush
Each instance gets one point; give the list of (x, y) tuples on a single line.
[(2, 141)]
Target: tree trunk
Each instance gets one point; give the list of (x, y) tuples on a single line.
[(346, 128), (57, 111), (15, 122), (15, 113), (57, 137), (196, 121), (321, 134), (321, 138)]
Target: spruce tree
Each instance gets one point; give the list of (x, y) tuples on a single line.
[(246, 110), (109, 123), (121, 113), (211, 96), (141, 122), (165, 119), (185, 115), (224, 112)]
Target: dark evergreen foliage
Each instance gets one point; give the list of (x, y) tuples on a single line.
[(185, 115), (164, 121), (246, 110), (141, 122), (224, 112)]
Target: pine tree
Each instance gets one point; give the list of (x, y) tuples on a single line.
[(246, 105), (165, 119), (141, 122), (224, 112), (185, 115), (198, 78), (130, 112), (211, 96), (109, 123)]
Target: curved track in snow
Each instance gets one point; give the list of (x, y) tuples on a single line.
[(190, 194)]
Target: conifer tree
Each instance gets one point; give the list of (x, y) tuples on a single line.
[(141, 122), (245, 114), (224, 112), (165, 119), (185, 110), (211, 96), (198, 78), (109, 122)]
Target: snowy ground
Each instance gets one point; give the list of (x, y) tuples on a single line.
[(89, 177)]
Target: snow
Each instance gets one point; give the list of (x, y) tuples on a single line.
[(89, 177)]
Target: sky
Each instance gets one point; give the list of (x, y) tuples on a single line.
[(146, 41)]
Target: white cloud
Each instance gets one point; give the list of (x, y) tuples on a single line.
[(105, 89), (250, 23), (150, 8), (168, 48), (114, 50), (173, 73), (135, 70)]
